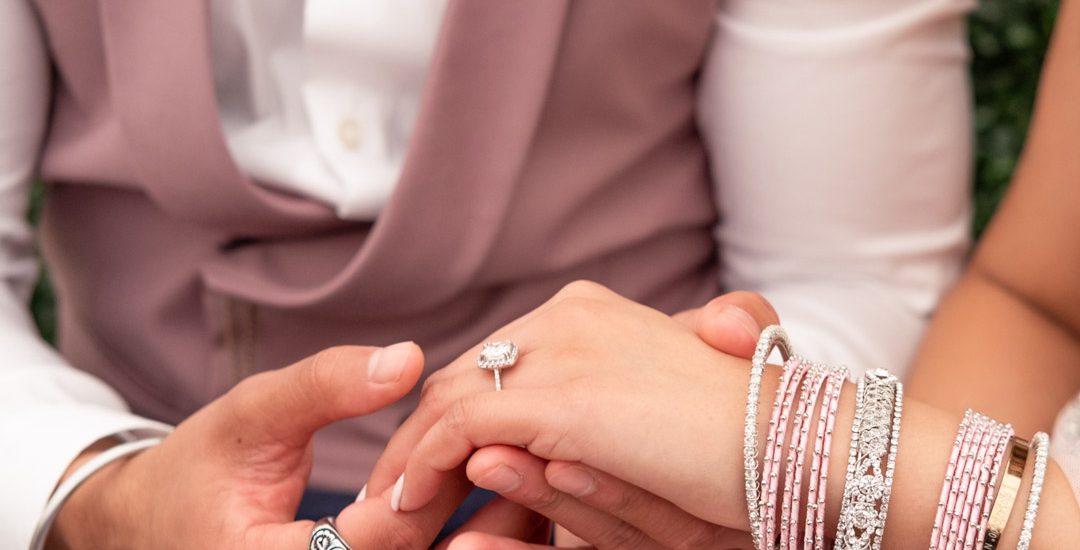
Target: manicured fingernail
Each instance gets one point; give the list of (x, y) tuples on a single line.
[(574, 481), (737, 316), (395, 497), (386, 364), (363, 494), (501, 479)]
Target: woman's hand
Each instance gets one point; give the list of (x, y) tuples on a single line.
[(597, 510), (632, 384), (231, 476)]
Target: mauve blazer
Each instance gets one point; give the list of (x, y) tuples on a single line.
[(556, 141)]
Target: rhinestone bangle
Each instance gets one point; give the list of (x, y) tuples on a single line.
[(1041, 445), (772, 337), (875, 436)]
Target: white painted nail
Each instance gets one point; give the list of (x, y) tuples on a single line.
[(362, 495), (395, 497)]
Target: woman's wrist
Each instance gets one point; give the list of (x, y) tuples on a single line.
[(924, 447)]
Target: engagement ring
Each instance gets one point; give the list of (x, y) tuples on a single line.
[(496, 356)]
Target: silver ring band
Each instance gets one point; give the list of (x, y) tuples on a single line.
[(324, 536)]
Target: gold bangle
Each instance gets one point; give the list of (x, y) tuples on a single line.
[(1006, 496)]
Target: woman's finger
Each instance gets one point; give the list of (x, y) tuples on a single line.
[(503, 518), (656, 517), (483, 541), (371, 523), (731, 323), (519, 476), (479, 421), (448, 385)]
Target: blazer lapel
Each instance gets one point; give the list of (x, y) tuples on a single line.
[(161, 76)]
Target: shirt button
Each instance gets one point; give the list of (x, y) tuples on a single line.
[(349, 133)]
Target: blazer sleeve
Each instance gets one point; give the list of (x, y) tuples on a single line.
[(49, 411), (840, 135)]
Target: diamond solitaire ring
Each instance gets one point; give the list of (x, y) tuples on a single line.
[(496, 356)]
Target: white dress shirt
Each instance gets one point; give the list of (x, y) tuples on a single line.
[(839, 134)]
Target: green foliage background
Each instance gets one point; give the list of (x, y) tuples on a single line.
[(1008, 40)]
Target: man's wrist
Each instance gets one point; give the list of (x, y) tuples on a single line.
[(90, 517)]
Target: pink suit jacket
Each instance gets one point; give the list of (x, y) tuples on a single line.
[(556, 141)]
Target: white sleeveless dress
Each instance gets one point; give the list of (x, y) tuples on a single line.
[(1065, 443)]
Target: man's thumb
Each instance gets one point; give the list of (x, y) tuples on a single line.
[(731, 323), (288, 405)]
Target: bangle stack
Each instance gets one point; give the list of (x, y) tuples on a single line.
[(976, 498), (806, 399)]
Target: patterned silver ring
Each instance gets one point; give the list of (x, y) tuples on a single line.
[(496, 356), (325, 537)]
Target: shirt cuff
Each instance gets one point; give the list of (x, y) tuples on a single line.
[(39, 445)]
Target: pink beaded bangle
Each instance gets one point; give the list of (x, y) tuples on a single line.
[(794, 371), (789, 521), (819, 468), (970, 524), (961, 477), (971, 505), (967, 493), (950, 472)]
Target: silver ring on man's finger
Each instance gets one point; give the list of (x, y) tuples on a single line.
[(325, 537)]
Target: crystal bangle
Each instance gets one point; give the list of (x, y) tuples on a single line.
[(771, 338), (875, 436), (1040, 444)]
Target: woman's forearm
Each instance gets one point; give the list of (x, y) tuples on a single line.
[(1009, 334), (926, 438), (991, 350)]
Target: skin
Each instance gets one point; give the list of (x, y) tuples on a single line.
[(1016, 312), (584, 353), (238, 467), (1013, 315), (232, 474), (1005, 316)]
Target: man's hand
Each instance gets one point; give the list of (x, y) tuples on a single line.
[(232, 475), (731, 323)]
